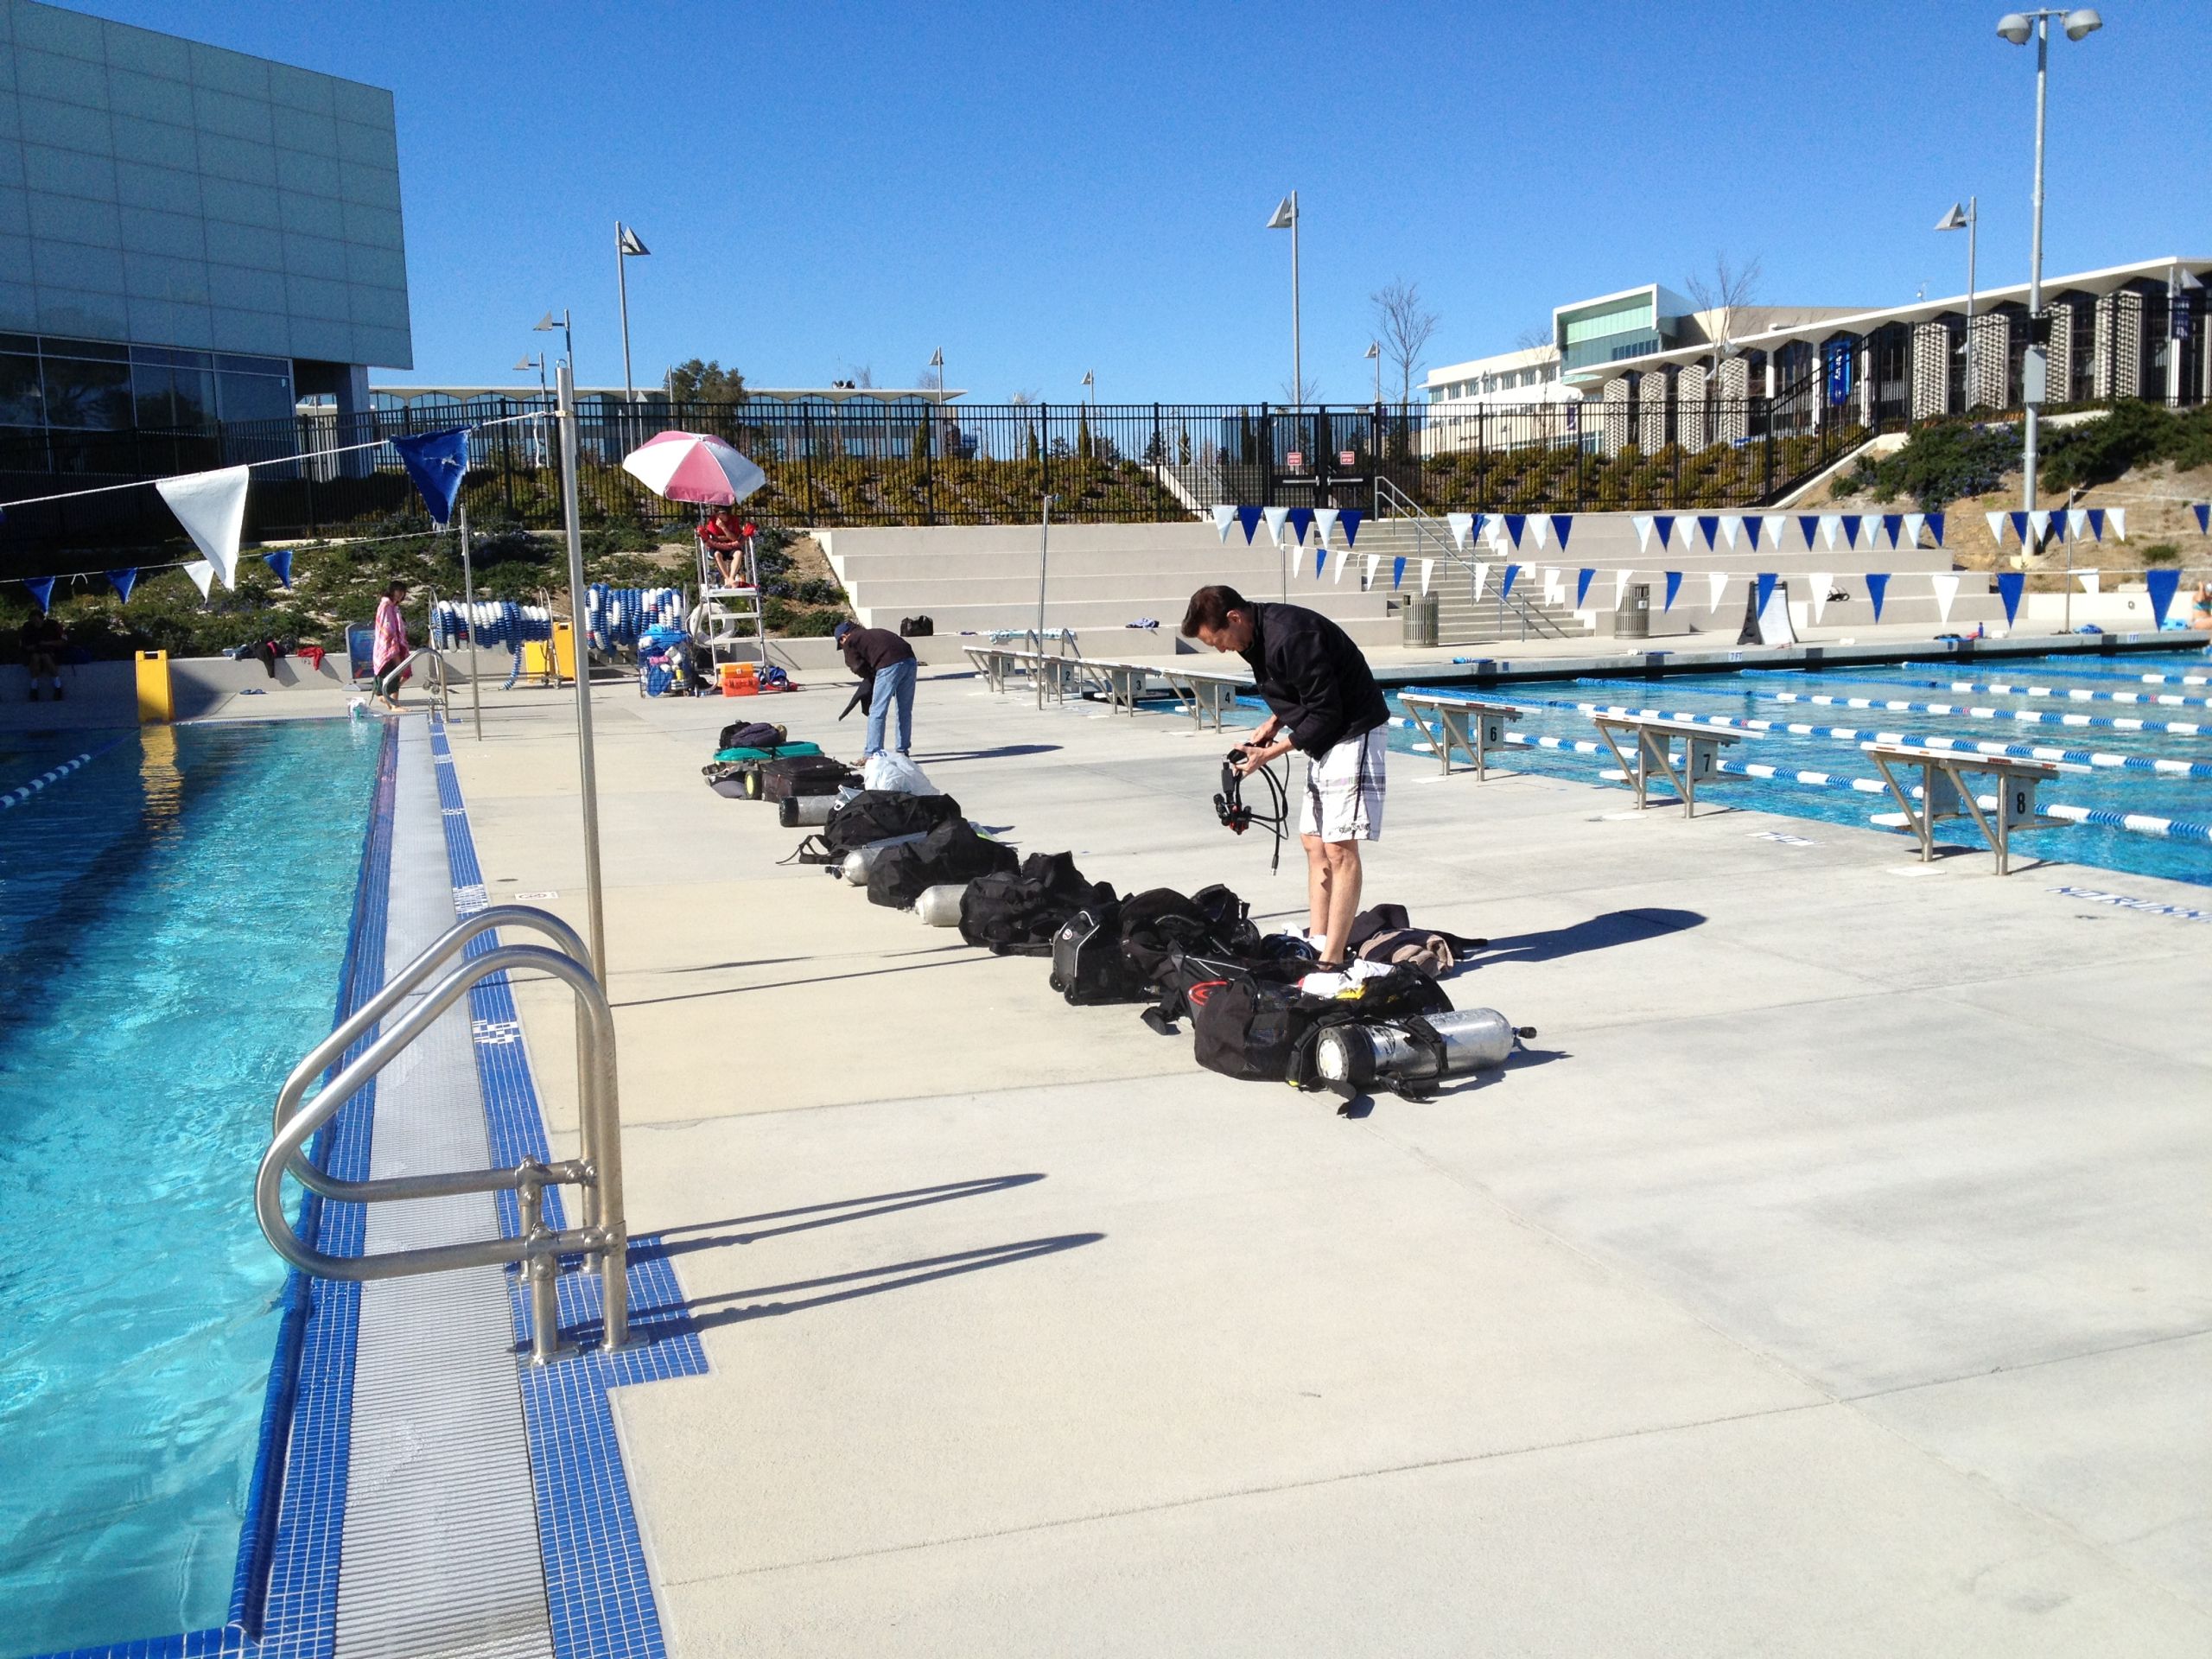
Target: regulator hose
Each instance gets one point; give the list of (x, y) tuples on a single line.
[(1237, 816)]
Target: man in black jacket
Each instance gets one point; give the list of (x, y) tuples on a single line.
[(885, 663), (1325, 703)]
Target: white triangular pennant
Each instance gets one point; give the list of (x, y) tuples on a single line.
[(1620, 585), (1554, 584), (1344, 558), (2115, 519), (1642, 524), (1367, 577), (1225, 520), (1427, 569), (1996, 521), (2089, 580), (1461, 522), (1482, 580), (1717, 582), (1324, 520), (1540, 527), (201, 573), (2078, 520), (1830, 523), (212, 508), (1914, 524), (1946, 584), (2039, 521), (1820, 581), (1731, 527), (1276, 517)]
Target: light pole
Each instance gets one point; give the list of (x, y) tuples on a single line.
[(937, 362), (1285, 218), (1967, 218), (544, 396), (626, 248), (1375, 356), (2017, 26)]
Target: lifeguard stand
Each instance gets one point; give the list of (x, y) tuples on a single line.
[(729, 622)]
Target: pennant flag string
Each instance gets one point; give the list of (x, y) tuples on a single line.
[(1878, 585), (40, 589)]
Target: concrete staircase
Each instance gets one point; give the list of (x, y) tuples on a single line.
[(1460, 620), (1099, 578)]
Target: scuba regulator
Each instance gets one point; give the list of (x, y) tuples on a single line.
[(1236, 817)]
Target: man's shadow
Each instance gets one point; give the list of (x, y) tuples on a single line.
[(1598, 933)]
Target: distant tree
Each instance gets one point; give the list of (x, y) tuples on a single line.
[(1183, 448), (1535, 335), (1083, 445), (1307, 390), (1718, 294), (862, 377), (696, 381), (931, 377), (1405, 326)]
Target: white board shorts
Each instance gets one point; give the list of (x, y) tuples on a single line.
[(1344, 789)]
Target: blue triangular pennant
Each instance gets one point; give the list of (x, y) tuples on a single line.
[(2009, 584), (1320, 558), (40, 589), (2203, 511), (1506, 582), (123, 581), (2162, 584), (1515, 523), (1808, 525), (1851, 523), (1878, 583), (1935, 527), (1766, 589), (1562, 523), (1708, 526), (1582, 586), (1250, 518), (1398, 571), (2019, 523), (436, 461), (281, 562), (1349, 521), (2097, 523), (1674, 587), (1300, 521), (1893, 526), (1664, 523), (1752, 522)]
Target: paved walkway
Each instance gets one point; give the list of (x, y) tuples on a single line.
[(1832, 1280)]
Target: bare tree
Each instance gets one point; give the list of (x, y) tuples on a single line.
[(1405, 328), (1536, 334), (1718, 294), (931, 379), (1297, 397), (863, 375)]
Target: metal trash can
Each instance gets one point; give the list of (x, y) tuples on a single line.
[(1635, 620), (1418, 613)]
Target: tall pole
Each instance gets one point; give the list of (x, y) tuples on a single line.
[(468, 600), (1044, 549), (1297, 363), (622, 292), (587, 772), (2034, 370), (1973, 231)]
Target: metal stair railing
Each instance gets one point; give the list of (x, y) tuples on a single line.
[(598, 1173), (1403, 509)]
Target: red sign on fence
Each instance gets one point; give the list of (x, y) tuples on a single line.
[(1295, 459), (1344, 458)]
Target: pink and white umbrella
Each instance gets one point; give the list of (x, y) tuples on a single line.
[(693, 467)]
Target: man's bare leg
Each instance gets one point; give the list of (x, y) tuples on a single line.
[(1341, 859), (1317, 885)]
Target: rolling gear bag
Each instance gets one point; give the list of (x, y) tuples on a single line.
[(787, 777), (1088, 965)]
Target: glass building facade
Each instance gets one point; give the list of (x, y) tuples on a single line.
[(187, 234)]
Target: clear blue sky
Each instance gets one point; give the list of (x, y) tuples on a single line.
[(1045, 189)]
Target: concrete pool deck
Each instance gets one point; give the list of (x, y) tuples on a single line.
[(1832, 1279)]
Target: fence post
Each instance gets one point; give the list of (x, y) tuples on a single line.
[(1044, 452), (1767, 493), (806, 458), (1162, 497), (1266, 456)]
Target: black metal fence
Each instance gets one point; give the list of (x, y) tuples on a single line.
[(865, 463)]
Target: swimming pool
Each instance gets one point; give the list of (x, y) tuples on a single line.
[(2123, 751), (173, 920)]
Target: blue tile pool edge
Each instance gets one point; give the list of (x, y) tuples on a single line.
[(285, 1589), (598, 1590)]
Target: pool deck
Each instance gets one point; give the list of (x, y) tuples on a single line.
[(1832, 1278)]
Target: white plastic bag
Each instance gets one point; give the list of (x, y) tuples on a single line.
[(896, 772)]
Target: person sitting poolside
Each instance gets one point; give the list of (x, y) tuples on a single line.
[(723, 537), (2200, 609), (43, 639)]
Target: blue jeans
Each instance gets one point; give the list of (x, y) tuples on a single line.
[(896, 683)]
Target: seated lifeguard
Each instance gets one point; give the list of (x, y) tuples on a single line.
[(723, 537)]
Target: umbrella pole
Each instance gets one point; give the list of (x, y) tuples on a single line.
[(588, 772), (469, 599)]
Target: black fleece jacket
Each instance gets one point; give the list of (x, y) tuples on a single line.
[(1313, 677)]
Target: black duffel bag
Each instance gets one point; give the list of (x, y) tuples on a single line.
[(1016, 912), (951, 853), (876, 815), (1246, 1027)]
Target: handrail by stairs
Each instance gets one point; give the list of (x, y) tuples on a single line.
[(598, 1173), (1427, 525)]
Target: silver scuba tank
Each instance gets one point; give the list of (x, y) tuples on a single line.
[(1360, 1055), (939, 907), (861, 860), (794, 810)]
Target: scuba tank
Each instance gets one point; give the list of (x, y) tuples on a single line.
[(939, 907), (1357, 1056), (860, 862), (794, 810)]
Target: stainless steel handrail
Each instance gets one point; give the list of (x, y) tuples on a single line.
[(303, 1168), (1425, 523), (539, 1247)]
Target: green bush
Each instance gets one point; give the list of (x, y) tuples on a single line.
[(1939, 463), (2162, 553), (2134, 435)]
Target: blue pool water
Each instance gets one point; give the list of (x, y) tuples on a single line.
[(173, 921), (1832, 746)]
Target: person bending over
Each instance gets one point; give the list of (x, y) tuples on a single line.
[(1324, 702), (42, 639), (880, 656)]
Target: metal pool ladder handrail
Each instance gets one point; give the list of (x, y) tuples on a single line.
[(598, 1172)]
